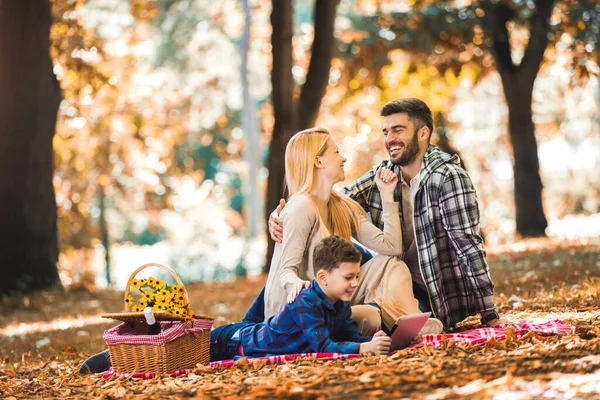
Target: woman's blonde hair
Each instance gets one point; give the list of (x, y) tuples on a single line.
[(300, 155)]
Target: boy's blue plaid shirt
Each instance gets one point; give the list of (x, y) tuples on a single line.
[(449, 243), (310, 324)]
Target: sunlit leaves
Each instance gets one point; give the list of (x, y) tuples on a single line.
[(99, 141), (454, 31), (135, 136)]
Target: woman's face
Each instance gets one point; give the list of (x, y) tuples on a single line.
[(332, 162)]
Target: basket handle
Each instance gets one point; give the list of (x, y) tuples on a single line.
[(169, 270)]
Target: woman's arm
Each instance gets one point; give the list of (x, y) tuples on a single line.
[(300, 218), (388, 242)]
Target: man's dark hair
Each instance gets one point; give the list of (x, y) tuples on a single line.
[(332, 251), (418, 112)]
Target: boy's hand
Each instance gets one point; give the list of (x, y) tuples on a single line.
[(417, 339), (380, 344), (276, 223), (296, 289)]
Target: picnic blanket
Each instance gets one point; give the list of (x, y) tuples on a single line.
[(472, 336), (482, 334)]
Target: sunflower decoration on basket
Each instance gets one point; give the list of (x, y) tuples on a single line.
[(154, 293), (184, 338), (169, 302)]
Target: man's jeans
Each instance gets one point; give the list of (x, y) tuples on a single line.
[(256, 313), (421, 295)]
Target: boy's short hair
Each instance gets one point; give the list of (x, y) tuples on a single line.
[(332, 251)]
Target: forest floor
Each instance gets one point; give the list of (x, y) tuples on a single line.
[(45, 336)]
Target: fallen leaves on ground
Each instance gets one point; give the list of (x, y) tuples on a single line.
[(540, 281)]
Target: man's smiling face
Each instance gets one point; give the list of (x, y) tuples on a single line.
[(400, 139)]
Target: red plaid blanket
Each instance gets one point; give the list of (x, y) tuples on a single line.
[(472, 336), (483, 334)]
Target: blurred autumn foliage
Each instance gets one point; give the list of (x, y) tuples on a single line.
[(135, 149), (150, 144)]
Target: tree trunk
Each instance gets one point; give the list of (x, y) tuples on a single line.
[(289, 116), (517, 82), (441, 128), (282, 82), (252, 193), (530, 218), (104, 233), (29, 100), (320, 63)]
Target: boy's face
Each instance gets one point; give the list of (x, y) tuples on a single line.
[(340, 283)]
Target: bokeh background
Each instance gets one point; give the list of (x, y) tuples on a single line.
[(167, 119)]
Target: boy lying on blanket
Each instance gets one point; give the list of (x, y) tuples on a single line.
[(317, 321)]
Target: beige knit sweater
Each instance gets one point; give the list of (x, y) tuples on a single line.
[(292, 259)]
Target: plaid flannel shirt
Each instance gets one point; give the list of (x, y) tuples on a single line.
[(309, 324), (449, 244)]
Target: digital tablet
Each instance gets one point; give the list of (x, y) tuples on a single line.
[(406, 328)]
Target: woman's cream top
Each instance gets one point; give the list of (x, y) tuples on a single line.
[(292, 259)]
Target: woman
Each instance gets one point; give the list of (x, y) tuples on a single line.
[(313, 211)]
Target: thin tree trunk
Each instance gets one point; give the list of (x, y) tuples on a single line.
[(289, 116), (320, 63), (517, 82), (29, 99), (253, 214), (530, 217), (282, 82), (441, 128), (104, 233)]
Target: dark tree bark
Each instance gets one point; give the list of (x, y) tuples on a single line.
[(320, 62), (29, 100), (282, 82), (290, 115), (441, 128), (517, 81)]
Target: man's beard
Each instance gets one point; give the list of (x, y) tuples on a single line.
[(409, 154)]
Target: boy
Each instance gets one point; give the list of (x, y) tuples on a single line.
[(319, 320)]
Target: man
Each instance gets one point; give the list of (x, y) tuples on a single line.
[(439, 214)]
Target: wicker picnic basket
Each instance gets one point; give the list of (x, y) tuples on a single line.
[(180, 345)]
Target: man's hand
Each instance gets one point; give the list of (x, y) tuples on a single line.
[(495, 321), (386, 181), (380, 344), (296, 289), (276, 223)]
